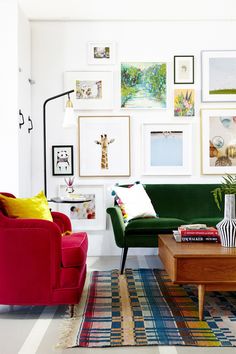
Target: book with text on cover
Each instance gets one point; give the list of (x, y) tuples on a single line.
[(184, 230), (203, 238)]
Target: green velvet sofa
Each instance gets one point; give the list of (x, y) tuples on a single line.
[(175, 204)]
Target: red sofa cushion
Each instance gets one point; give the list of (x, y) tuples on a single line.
[(74, 249)]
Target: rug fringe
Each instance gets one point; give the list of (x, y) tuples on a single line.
[(70, 325)]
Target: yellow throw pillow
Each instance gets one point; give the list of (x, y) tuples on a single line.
[(27, 208)]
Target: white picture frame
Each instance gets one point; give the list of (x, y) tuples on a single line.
[(101, 53), (218, 132), (93, 90), (167, 149), (88, 215), (104, 137), (218, 75)]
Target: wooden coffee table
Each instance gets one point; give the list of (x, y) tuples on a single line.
[(208, 265)]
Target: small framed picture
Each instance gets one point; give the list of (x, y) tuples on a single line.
[(218, 141), (89, 213), (93, 90), (184, 69), (219, 76), (167, 149), (62, 160), (101, 53), (184, 103)]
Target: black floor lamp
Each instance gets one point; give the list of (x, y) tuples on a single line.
[(69, 121)]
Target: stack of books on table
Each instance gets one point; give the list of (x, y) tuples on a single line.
[(196, 233)]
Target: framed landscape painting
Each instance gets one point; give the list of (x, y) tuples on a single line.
[(167, 149), (184, 69), (104, 146), (93, 90), (88, 214), (143, 85), (218, 141), (102, 53), (219, 76)]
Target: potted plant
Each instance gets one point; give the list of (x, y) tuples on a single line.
[(227, 227), (69, 184), (228, 186)]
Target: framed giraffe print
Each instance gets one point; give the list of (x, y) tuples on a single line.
[(104, 146)]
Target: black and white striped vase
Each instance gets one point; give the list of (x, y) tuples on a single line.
[(227, 226)]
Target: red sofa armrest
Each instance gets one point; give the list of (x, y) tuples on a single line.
[(62, 221), (31, 244)]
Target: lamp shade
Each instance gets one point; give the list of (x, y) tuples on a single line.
[(69, 118)]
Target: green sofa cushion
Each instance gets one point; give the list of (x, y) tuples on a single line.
[(151, 226), (183, 201)]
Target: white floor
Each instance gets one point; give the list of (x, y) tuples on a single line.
[(29, 330)]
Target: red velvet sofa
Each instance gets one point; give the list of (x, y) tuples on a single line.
[(37, 265)]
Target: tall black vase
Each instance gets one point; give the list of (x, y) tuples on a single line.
[(227, 226)]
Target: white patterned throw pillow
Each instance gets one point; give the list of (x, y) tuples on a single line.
[(136, 202)]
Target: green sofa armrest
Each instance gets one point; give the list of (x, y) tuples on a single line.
[(118, 225)]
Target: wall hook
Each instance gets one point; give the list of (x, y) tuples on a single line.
[(31, 81), (31, 124), (22, 120)]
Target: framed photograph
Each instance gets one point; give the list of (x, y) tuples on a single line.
[(104, 146), (218, 141), (62, 160), (93, 89), (102, 53), (167, 149), (184, 103), (184, 69), (88, 214), (219, 76), (143, 85)]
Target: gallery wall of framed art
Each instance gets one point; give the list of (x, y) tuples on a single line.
[(165, 84)]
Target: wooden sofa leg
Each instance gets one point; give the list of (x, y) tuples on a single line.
[(123, 259)]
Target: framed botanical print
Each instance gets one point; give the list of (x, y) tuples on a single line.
[(184, 103), (101, 53), (143, 85), (89, 213), (218, 141), (62, 160), (184, 69), (167, 149), (93, 89), (219, 76), (104, 146)]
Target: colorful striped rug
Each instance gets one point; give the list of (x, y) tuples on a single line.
[(142, 307)]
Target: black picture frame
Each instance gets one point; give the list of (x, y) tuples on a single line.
[(187, 77), (62, 160)]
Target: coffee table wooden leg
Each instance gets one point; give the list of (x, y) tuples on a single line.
[(201, 295)]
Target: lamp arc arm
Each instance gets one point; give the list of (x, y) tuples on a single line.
[(45, 135)]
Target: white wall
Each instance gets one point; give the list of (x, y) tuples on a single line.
[(62, 46)]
